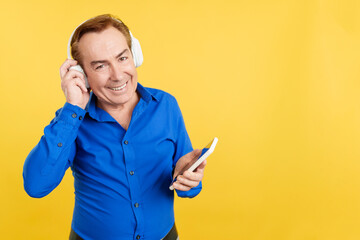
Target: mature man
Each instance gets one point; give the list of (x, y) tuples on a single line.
[(122, 141)]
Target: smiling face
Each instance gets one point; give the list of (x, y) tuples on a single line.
[(109, 66)]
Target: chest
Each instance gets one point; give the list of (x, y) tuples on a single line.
[(106, 150)]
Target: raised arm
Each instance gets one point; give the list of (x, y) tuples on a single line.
[(46, 164)]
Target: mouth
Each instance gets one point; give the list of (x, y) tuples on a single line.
[(119, 88)]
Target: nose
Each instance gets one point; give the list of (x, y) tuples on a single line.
[(116, 73)]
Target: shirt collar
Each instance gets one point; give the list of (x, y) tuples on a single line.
[(101, 115), (145, 94)]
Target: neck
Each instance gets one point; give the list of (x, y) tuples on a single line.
[(122, 112)]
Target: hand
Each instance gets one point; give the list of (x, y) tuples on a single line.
[(73, 84), (188, 180)]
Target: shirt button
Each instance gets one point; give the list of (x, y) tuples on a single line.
[(80, 118), (136, 205), (74, 115), (131, 172), (59, 144), (126, 142), (138, 237)]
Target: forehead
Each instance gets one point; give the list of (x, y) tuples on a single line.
[(102, 45)]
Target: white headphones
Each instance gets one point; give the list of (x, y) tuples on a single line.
[(135, 49)]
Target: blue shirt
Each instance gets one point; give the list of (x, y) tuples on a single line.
[(121, 177)]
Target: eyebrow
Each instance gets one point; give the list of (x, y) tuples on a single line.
[(104, 61)]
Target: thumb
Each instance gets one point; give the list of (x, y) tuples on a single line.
[(195, 153), (184, 160)]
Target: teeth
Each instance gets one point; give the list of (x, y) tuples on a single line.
[(119, 88)]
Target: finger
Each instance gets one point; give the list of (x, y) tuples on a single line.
[(66, 65), (193, 176), (187, 182), (76, 74), (181, 187), (69, 78), (72, 74), (81, 84)]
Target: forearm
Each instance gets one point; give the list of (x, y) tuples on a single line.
[(46, 164)]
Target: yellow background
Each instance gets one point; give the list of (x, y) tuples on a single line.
[(276, 81)]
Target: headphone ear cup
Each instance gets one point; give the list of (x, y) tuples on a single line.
[(136, 51)]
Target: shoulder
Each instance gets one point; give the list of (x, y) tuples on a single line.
[(165, 102), (162, 96)]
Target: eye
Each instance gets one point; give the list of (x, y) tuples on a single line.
[(123, 58), (100, 66)]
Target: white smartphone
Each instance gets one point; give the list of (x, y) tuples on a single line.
[(194, 163)]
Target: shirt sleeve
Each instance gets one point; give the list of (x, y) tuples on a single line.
[(46, 164), (183, 146)]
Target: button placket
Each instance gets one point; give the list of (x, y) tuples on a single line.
[(135, 192)]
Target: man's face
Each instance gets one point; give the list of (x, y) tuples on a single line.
[(109, 66)]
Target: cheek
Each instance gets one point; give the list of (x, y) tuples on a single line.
[(130, 70), (134, 76), (129, 65), (97, 79), (134, 81)]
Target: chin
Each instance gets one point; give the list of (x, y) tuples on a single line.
[(123, 99)]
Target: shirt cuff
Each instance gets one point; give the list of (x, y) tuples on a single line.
[(190, 193), (71, 115)]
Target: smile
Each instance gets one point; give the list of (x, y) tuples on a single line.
[(119, 88)]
